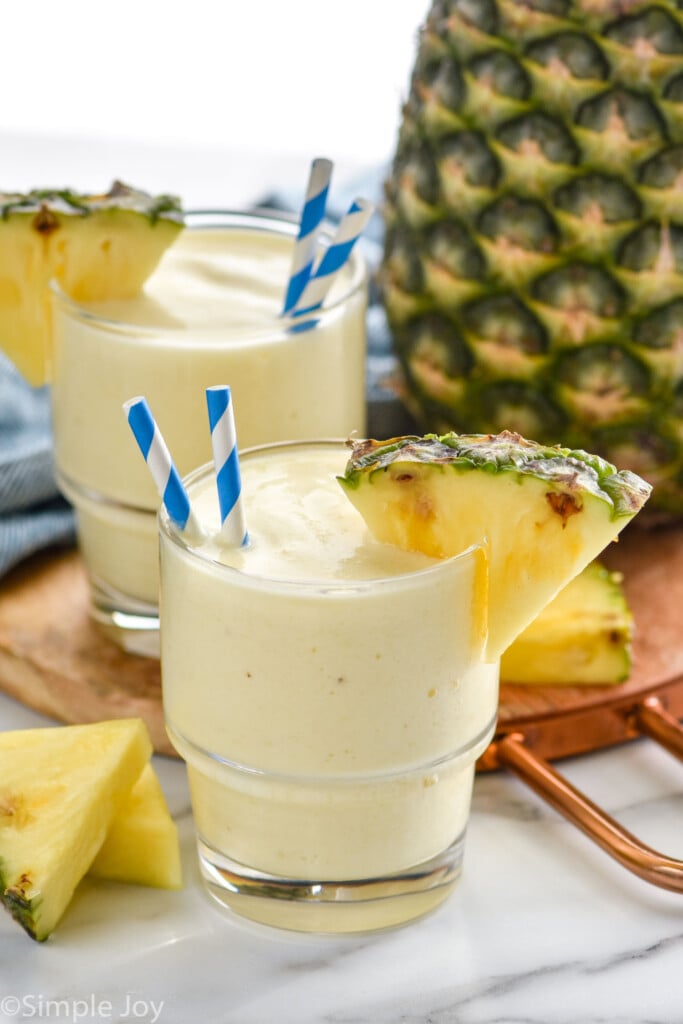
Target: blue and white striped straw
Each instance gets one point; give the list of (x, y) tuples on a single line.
[(158, 458), (311, 218), (226, 461), (335, 256)]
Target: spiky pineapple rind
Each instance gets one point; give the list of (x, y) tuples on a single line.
[(574, 471), (539, 163)]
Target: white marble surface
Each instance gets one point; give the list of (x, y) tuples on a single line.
[(543, 929)]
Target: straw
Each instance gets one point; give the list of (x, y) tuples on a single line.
[(311, 217), (324, 275), (226, 461), (157, 456)]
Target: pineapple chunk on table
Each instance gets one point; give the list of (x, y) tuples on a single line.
[(60, 790), (142, 842)]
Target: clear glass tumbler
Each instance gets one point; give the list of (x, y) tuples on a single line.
[(330, 726), (209, 315)]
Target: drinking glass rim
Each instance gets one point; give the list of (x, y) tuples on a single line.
[(262, 219)]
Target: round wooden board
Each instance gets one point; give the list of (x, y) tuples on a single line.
[(54, 659)]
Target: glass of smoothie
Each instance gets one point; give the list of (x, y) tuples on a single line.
[(330, 697), (210, 312)]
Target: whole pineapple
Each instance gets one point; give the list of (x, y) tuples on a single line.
[(533, 270)]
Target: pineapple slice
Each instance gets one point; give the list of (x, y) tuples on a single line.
[(142, 843), (96, 247), (542, 513), (582, 637), (60, 789)]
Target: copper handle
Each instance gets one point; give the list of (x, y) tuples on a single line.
[(653, 867), (652, 718)]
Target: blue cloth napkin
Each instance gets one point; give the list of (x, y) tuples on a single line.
[(34, 516)]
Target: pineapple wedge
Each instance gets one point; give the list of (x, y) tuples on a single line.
[(60, 789), (142, 843), (541, 513), (95, 246), (582, 637)]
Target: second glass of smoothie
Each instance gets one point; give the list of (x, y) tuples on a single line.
[(210, 313)]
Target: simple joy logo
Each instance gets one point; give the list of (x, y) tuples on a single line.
[(90, 1008)]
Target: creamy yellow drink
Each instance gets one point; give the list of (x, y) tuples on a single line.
[(329, 696), (210, 314)]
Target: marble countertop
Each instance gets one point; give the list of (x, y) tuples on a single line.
[(543, 929)]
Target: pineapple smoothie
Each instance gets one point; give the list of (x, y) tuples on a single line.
[(329, 695), (210, 313)]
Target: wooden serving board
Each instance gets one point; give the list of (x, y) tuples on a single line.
[(54, 659)]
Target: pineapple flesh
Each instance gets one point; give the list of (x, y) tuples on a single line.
[(95, 247), (141, 846), (541, 514), (533, 267), (60, 789), (583, 637)]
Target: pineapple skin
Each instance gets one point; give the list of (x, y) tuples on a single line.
[(583, 637), (533, 266)]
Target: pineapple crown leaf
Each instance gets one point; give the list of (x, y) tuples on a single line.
[(565, 469)]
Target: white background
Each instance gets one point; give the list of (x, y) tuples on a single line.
[(175, 95)]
